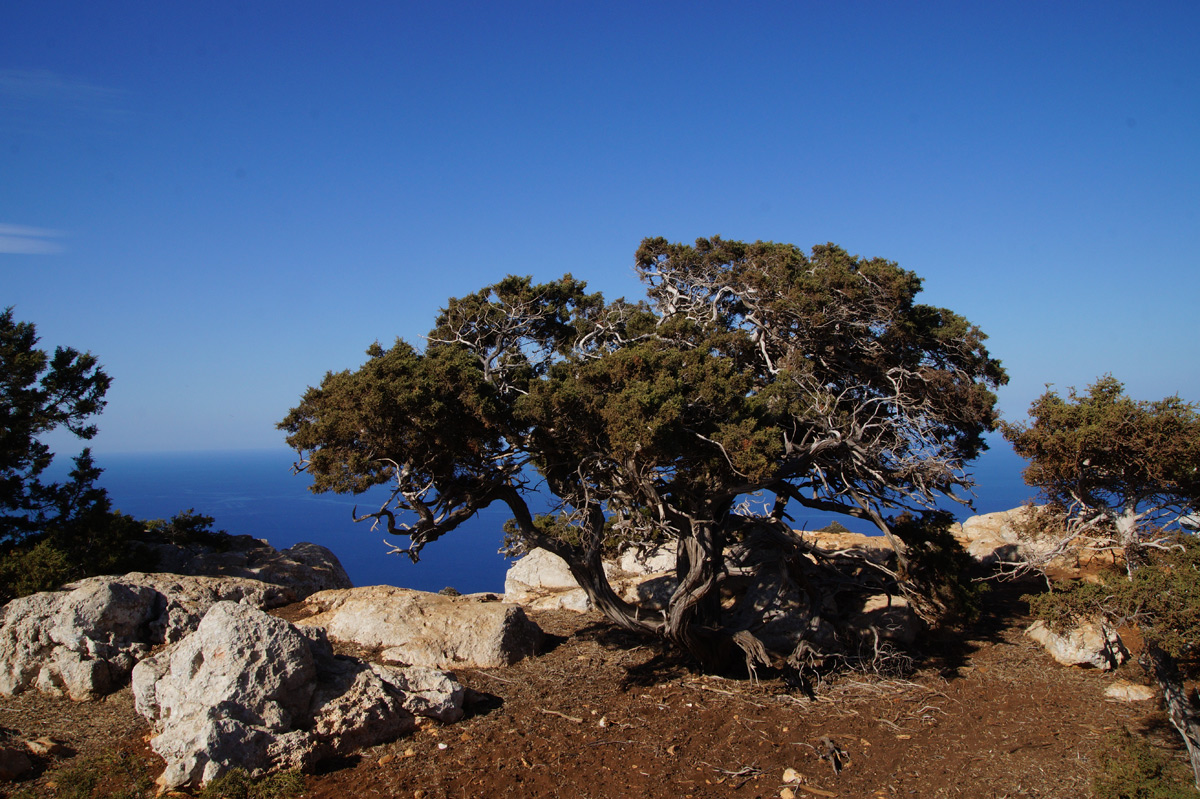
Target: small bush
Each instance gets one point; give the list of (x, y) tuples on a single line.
[(1132, 768), (238, 784)]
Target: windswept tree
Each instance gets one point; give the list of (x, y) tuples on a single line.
[(1117, 471), (753, 377)]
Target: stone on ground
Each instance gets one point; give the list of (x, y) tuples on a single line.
[(423, 629)]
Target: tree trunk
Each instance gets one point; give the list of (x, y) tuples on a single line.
[(694, 613), (1180, 709)]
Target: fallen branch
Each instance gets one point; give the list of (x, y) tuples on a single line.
[(571, 719)]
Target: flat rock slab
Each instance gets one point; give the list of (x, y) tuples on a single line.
[(422, 629)]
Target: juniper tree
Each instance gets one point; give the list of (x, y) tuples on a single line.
[(1118, 473), (1116, 470), (751, 378)]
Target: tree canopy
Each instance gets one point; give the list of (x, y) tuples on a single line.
[(38, 393), (752, 376), (1119, 468)]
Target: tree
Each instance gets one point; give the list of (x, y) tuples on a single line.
[(1116, 470), (753, 376), (39, 393)]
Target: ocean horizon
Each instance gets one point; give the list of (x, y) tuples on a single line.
[(254, 492)]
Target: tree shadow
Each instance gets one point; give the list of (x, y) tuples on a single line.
[(1003, 602)]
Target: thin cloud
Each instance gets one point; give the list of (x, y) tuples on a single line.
[(38, 100), (44, 85), (24, 240)]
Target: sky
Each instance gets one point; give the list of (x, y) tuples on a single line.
[(223, 201)]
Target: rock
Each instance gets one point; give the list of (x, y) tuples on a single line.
[(542, 581), (252, 691), (255, 666), (47, 747), (992, 537), (638, 561), (14, 763), (539, 573), (83, 640), (1124, 691), (423, 629), (1090, 645), (304, 568), (876, 548)]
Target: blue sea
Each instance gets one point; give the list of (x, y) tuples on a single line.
[(254, 492)]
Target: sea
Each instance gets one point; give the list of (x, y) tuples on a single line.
[(255, 492)]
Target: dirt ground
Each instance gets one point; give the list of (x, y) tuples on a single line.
[(601, 714)]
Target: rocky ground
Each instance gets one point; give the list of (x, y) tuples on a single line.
[(601, 714)]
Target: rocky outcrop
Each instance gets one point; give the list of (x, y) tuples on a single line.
[(992, 537), (83, 640), (758, 590), (541, 581), (1088, 645), (252, 691), (304, 568), (423, 629)]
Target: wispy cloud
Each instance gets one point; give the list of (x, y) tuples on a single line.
[(44, 85), (37, 99), (23, 240)]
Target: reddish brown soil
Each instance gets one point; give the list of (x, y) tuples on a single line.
[(605, 715)]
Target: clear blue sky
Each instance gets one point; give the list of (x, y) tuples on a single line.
[(225, 200)]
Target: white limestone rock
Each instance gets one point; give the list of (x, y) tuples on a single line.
[(423, 629), (1089, 645), (542, 581), (82, 641), (1125, 691), (252, 691)]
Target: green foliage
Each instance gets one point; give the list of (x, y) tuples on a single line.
[(1162, 598), (1104, 455), (1132, 768), (750, 370), (100, 542), (115, 774), (238, 784), (39, 393), (188, 528)]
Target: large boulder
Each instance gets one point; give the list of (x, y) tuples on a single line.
[(1087, 645), (422, 629), (541, 580), (82, 640), (248, 690)]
